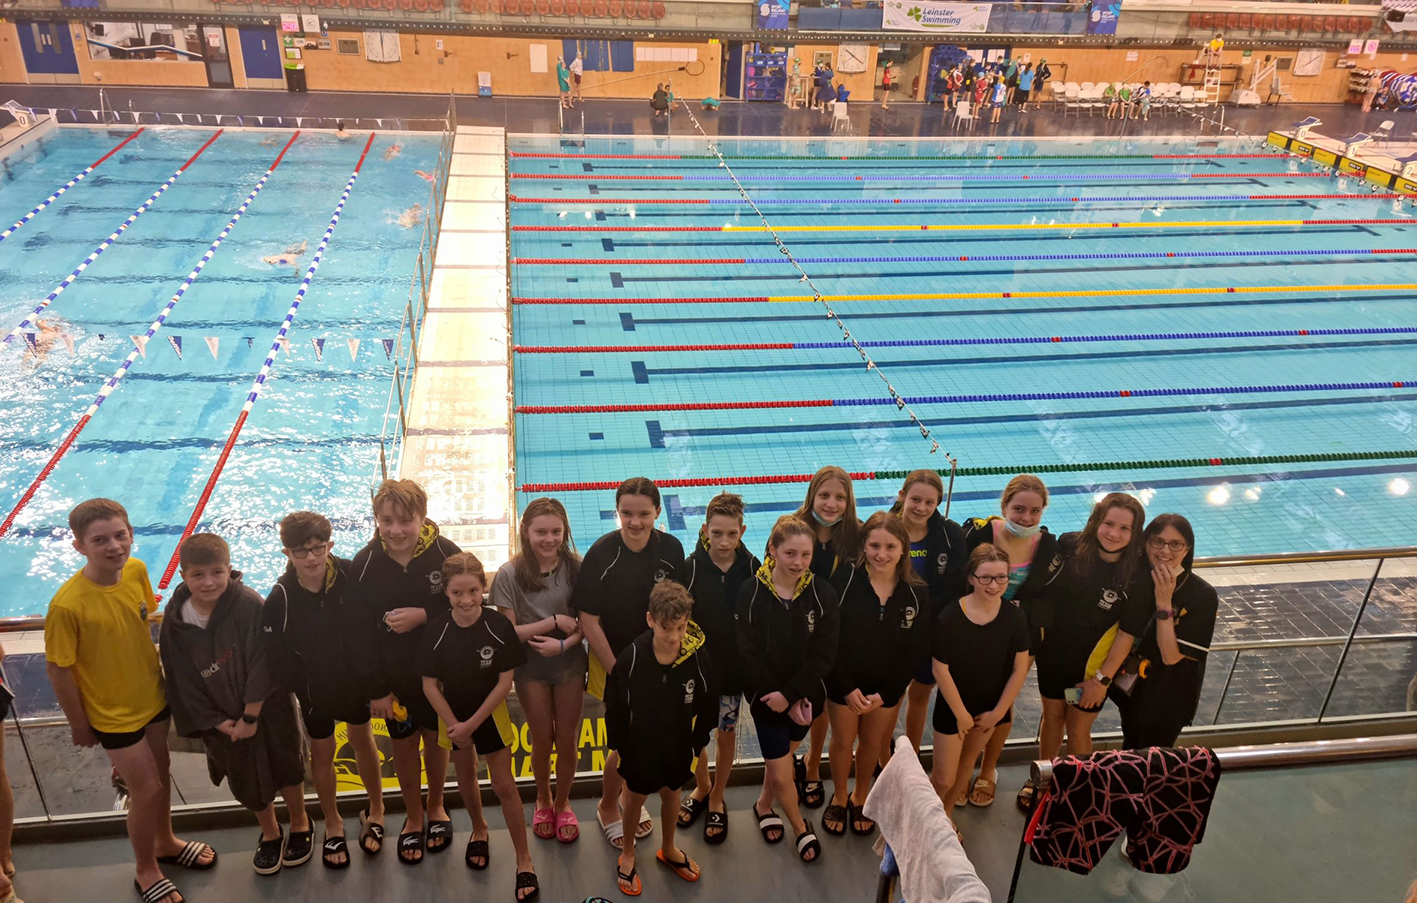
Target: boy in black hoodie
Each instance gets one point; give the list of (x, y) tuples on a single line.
[(713, 575), (396, 585), (660, 706), (222, 692), (310, 634)]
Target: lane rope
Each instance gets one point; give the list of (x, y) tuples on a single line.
[(956, 399), (1063, 178), (986, 296), (957, 258), (1220, 225), (112, 383), (870, 157), (103, 246), (265, 370), (66, 186), (991, 471), (939, 343), (1104, 199)]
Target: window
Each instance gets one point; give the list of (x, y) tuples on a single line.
[(143, 41), (349, 46), (601, 56)]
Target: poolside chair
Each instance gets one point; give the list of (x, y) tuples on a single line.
[(1383, 132), (1187, 98), (839, 117), (1055, 94), (1071, 99)]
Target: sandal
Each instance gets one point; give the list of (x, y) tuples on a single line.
[(718, 821), (334, 846), (807, 842), (690, 810), (985, 790), (813, 794), (566, 820), (299, 846), (370, 830), (478, 850), (267, 860), (838, 815), (853, 815), (769, 822), (410, 842), (190, 857), (439, 829), (527, 880), (543, 823), (159, 891), (645, 827), (688, 869), (614, 831), (630, 884), (1026, 794)]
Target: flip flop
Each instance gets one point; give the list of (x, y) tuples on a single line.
[(613, 831), (690, 810), (630, 884), (544, 818), (439, 829), (190, 857), (369, 829), (688, 869), (564, 820)]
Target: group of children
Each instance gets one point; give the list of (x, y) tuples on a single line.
[(992, 85), (841, 624)]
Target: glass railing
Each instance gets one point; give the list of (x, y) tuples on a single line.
[(1318, 641), (1324, 807)]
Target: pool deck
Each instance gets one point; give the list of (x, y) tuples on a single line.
[(459, 423)]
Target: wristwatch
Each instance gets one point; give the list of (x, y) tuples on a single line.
[(1163, 614), (1102, 679), (248, 718)]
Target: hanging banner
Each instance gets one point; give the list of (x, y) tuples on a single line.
[(928, 15), (1103, 18), (772, 14)]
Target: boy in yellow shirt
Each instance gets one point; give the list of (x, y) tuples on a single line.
[(103, 665)]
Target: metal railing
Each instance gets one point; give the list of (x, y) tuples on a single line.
[(405, 352)]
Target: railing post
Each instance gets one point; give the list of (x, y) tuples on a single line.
[(950, 489), (1348, 643), (1229, 675)]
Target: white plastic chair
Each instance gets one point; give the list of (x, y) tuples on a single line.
[(1071, 99), (1383, 132), (1188, 97), (839, 117)]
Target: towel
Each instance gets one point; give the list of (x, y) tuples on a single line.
[(933, 865)]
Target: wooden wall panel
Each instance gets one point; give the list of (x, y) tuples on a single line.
[(12, 62)]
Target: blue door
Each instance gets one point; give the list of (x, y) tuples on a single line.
[(47, 47), (260, 52)]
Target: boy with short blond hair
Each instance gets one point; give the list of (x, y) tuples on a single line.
[(712, 575), (104, 668), (660, 707), (396, 585), (311, 630), (222, 693)]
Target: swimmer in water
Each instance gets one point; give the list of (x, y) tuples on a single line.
[(411, 217), (47, 332), (290, 257), (392, 151), (425, 176), (270, 142), (341, 132)]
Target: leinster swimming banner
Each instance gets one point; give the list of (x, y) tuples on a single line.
[(927, 15)]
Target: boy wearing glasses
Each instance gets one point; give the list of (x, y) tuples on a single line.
[(310, 631)]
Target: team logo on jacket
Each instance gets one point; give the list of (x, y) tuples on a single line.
[(435, 582), (1109, 598), (486, 654), (909, 620), (811, 622), (942, 562), (660, 575), (689, 691)]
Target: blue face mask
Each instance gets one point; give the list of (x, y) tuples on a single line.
[(825, 523), (1018, 532)]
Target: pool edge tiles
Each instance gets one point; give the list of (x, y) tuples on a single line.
[(459, 417)]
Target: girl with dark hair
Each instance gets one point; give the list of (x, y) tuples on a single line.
[(612, 599), (885, 636), (1170, 664), (830, 510), (1097, 611), (533, 590)]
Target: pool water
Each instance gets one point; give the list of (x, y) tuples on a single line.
[(619, 221), (312, 438)]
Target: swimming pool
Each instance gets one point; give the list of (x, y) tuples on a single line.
[(1103, 267), (312, 438)]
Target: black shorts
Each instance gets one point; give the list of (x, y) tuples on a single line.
[(1059, 671), (420, 711), (487, 739), (125, 739), (776, 731), (944, 720), (320, 717)]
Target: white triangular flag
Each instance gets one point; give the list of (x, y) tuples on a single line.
[(212, 343), (381, 122), (353, 348), (142, 342), (284, 344), (297, 121), (179, 116)]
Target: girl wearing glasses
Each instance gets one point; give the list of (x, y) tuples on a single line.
[(980, 649), (1173, 648)]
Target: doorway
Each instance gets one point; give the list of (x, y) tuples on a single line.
[(48, 51), (217, 58)]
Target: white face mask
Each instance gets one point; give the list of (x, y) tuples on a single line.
[(1018, 532), (825, 523)]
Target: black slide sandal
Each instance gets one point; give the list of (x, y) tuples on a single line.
[(525, 880), (690, 810), (807, 842), (160, 890), (855, 818), (440, 830), (717, 820), (410, 842), (813, 794), (839, 814), (333, 847), (770, 821), (370, 830), (190, 857), (478, 849)]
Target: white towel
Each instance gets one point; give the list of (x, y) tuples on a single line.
[(933, 864)]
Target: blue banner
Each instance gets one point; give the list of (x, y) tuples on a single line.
[(1103, 18), (772, 14)]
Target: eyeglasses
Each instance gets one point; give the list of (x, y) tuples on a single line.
[(981, 578), (309, 551), (1157, 543)]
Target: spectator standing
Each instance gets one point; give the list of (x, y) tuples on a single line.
[(577, 70), (1025, 86)]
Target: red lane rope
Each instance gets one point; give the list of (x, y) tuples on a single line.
[(263, 373)]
